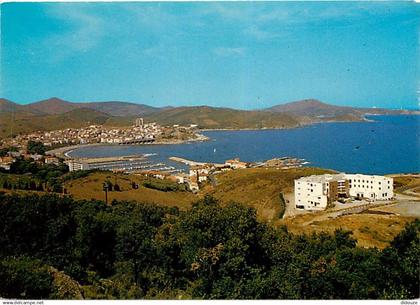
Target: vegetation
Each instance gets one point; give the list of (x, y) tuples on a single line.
[(212, 117), (5, 150), (35, 147), (408, 184), (32, 175), (23, 123), (130, 250), (282, 206), (164, 185), (258, 188), (55, 113), (24, 277), (131, 188)]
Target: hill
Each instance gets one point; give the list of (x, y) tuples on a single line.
[(316, 109), (55, 113), (221, 118), (7, 106), (52, 105), (23, 123), (120, 108), (58, 106)]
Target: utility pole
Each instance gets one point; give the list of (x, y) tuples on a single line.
[(105, 188)]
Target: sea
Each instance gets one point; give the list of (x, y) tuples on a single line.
[(383, 145)]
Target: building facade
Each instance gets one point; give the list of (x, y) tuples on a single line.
[(371, 187), (317, 192), (75, 165)]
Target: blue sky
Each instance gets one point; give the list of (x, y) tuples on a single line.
[(235, 54)]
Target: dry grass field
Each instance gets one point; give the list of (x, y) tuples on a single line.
[(370, 230), (407, 184), (258, 187), (91, 187)]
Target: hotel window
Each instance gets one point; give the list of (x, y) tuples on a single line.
[(379, 182), (379, 188)]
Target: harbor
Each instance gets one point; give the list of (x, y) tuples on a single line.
[(126, 164)]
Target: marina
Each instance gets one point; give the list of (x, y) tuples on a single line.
[(127, 164)]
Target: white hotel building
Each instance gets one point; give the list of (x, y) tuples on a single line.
[(317, 192)]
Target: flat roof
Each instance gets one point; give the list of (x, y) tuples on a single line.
[(322, 178)]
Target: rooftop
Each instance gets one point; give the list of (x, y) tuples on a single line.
[(323, 178)]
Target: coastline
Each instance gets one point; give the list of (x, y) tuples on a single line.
[(285, 128), (64, 151)]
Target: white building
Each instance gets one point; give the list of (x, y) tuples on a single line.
[(75, 165), (236, 163), (371, 187), (317, 192)]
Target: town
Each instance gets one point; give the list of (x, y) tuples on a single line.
[(139, 133), (50, 147)]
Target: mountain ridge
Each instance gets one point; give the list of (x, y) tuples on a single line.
[(55, 113), (56, 105)]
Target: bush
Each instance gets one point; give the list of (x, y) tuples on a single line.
[(211, 251), (164, 186), (25, 278), (282, 206), (35, 147)]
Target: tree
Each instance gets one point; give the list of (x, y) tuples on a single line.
[(109, 185), (400, 265), (35, 147), (25, 278)]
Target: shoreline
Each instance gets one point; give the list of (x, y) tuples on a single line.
[(286, 128), (64, 151)]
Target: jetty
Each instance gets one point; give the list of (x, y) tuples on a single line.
[(190, 162)]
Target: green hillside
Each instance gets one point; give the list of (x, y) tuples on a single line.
[(15, 123), (55, 113), (214, 118)]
